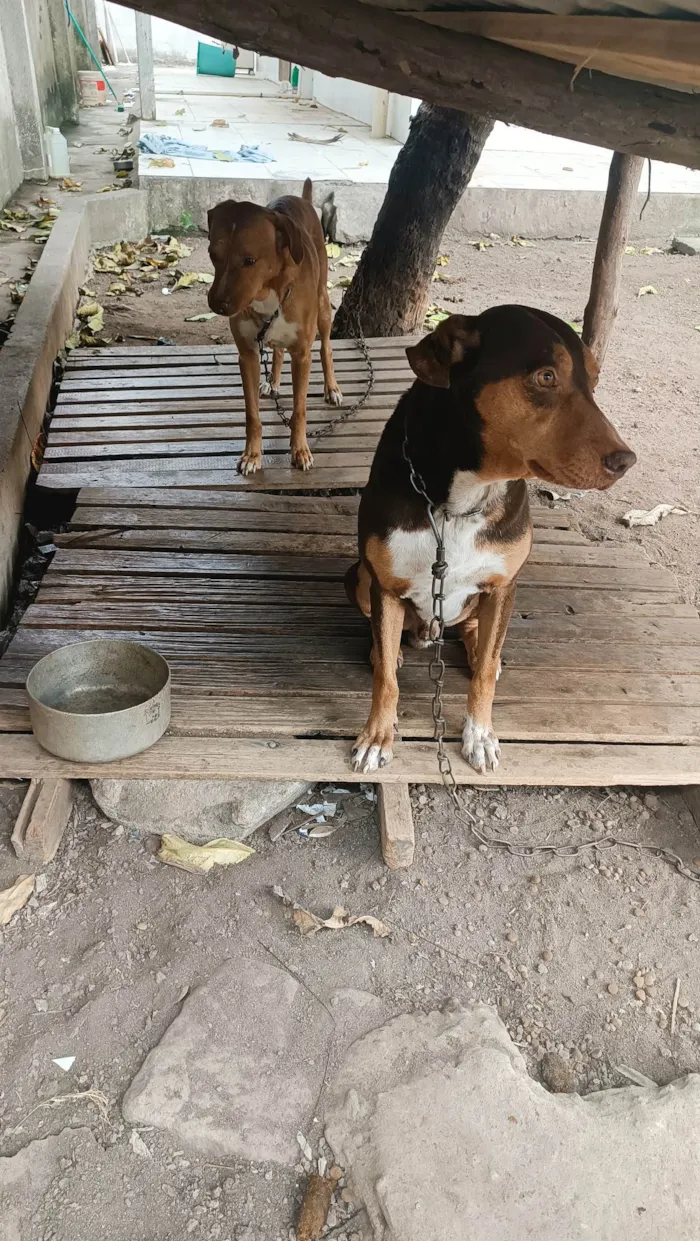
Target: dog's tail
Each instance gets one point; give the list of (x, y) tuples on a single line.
[(308, 191)]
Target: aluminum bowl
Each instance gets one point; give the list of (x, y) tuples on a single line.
[(99, 701)]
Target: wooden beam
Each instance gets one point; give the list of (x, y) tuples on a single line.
[(42, 819), (620, 197), (646, 49), (396, 825), (383, 48)]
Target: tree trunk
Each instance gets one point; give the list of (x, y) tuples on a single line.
[(392, 285), (602, 308)]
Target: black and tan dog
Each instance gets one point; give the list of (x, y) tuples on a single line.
[(271, 277), (500, 398)]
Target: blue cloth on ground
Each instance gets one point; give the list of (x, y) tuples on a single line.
[(164, 144)]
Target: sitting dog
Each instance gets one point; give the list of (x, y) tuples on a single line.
[(500, 397), (271, 280)]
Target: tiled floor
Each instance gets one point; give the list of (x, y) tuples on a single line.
[(259, 113)]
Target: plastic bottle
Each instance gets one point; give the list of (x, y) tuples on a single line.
[(57, 152)]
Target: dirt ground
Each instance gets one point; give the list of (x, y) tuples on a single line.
[(581, 955)]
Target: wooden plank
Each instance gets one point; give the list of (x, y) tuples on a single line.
[(396, 826), (221, 433), (104, 355), (176, 473), (108, 587), (599, 578), (376, 406), (200, 650), (43, 819), (526, 764), (228, 368), (289, 619), (273, 446), (156, 519), (170, 390)]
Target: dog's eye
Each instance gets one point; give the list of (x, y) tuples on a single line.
[(249, 261), (546, 378)]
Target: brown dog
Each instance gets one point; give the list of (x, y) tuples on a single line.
[(271, 280), (501, 397)]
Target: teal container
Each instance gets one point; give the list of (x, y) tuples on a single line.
[(215, 60)]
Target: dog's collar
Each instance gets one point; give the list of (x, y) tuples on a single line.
[(260, 338)]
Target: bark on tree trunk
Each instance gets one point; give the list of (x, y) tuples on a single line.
[(602, 308), (392, 285)]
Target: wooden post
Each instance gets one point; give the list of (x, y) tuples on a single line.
[(43, 819), (144, 53), (621, 194), (396, 825)]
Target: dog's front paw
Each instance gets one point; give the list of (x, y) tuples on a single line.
[(372, 749), (480, 746), (302, 457), (250, 461), (266, 389), (333, 396)]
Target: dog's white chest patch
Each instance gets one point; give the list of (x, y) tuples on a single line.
[(280, 332), (413, 554)]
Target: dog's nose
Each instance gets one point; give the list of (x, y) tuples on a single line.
[(618, 463)]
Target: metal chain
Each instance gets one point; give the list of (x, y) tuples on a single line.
[(436, 673), (359, 340)]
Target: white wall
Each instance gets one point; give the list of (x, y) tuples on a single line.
[(172, 44), (401, 109), (10, 159), (353, 98)]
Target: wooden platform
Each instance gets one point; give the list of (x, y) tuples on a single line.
[(239, 584)]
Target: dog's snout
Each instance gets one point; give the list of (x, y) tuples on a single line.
[(618, 463)]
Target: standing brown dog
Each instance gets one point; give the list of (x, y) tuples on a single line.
[(500, 397), (271, 280)]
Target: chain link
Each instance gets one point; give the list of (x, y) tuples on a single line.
[(359, 340), (436, 672)]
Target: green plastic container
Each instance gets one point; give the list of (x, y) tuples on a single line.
[(215, 60)]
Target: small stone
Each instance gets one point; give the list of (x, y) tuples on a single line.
[(613, 988), (336, 1172), (640, 994), (686, 245), (547, 955), (512, 937), (542, 969), (557, 1074)]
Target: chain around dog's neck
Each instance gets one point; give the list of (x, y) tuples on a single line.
[(260, 338)]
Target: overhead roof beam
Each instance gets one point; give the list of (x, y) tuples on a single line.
[(355, 40)]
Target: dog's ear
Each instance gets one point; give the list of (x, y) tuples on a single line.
[(434, 356), (289, 237)]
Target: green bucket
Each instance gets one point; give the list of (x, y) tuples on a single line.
[(216, 60)]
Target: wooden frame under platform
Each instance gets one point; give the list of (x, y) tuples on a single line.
[(238, 583)]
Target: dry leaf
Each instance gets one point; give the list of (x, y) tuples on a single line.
[(482, 245), (180, 112), (521, 241), (442, 260), (318, 142), (73, 341), (14, 898), (69, 184), (224, 156), (176, 249), (314, 1208), (117, 286), (219, 123), (646, 288), (200, 318), (332, 249), (649, 517), (340, 920), (93, 315), (434, 315), (189, 278), (161, 161), (103, 262), (201, 858)]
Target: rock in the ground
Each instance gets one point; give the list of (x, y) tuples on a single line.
[(198, 810), (26, 1176), (239, 1070), (445, 1136), (686, 245)]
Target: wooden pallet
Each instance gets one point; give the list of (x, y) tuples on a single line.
[(238, 583)]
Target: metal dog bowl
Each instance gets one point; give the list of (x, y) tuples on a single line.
[(99, 701)]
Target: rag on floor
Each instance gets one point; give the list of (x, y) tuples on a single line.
[(164, 144)]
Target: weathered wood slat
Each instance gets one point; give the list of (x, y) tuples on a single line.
[(533, 764), (170, 390), (217, 648), (59, 587), (204, 472), (376, 406), (274, 446), (290, 619)]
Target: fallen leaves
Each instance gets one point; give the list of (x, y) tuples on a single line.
[(219, 123), (309, 923), (92, 315), (314, 1208), (332, 249), (646, 289), (161, 161), (317, 142), (521, 241), (15, 898), (74, 187), (199, 859), (434, 315), (188, 278), (650, 517), (200, 318)]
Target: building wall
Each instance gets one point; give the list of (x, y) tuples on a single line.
[(50, 94), (172, 44), (10, 157), (355, 99)]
